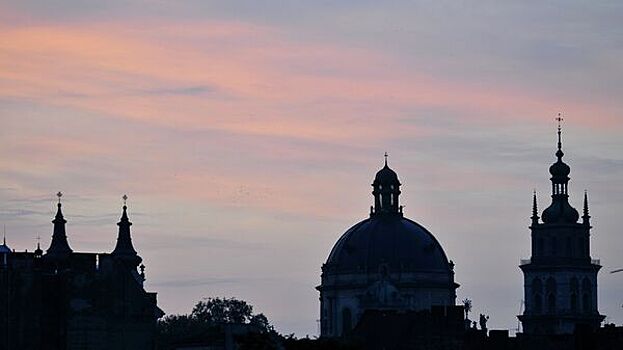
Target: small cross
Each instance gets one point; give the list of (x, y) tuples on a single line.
[(125, 199), (59, 195), (559, 119), (385, 158)]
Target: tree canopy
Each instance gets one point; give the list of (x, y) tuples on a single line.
[(206, 319)]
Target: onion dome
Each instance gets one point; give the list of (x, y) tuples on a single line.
[(560, 212), (559, 170)]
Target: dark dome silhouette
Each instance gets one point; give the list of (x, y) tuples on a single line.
[(559, 170), (392, 241), (385, 262), (560, 211)]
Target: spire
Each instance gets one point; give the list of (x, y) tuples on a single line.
[(59, 246), (385, 158), (559, 119), (586, 217), (559, 152), (535, 215), (560, 210), (124, 249)]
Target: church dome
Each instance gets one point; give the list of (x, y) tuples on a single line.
[(387, 241), (385, 262)]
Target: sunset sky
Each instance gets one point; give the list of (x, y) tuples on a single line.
[(247, 133)]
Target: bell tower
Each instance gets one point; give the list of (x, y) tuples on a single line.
[(560, 278)]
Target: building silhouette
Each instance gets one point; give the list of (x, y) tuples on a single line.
[(62, 299), (386, 262), (560, 279)]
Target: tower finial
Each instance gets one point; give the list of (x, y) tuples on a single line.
[(125, 199), (59, 195), (385, 158), (559, 119), (4, 234)]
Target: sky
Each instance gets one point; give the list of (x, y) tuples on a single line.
[(247, 133)]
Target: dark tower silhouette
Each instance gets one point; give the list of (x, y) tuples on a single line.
[(76, 300), (124, 250), (59, 247), (560, 279)]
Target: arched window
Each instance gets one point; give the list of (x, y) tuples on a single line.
[(551, 295), (537, 292), (347, 321)]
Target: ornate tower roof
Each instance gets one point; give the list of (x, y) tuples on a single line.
[(560, 211), (59, 246), (124, 249), (386, 191)]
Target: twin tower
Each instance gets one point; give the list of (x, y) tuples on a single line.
[(64, 299), (124, 250)]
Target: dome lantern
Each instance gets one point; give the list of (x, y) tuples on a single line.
[(386, 191)]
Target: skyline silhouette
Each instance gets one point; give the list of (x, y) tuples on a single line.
[(246, 137)]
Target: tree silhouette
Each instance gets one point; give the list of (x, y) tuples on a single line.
[(203, 323)]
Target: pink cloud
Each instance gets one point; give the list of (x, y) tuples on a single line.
[(256, 81)]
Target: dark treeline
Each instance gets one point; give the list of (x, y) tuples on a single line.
[(224, 322)]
